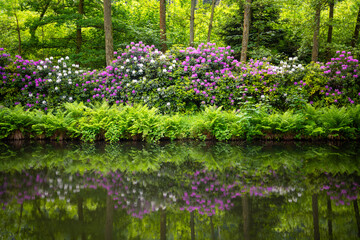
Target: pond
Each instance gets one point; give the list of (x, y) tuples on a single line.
[(181, 190)]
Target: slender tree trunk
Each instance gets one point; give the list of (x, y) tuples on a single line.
[(18, 32), (211, 19), (109, 217), (81, 216), (356, 210), (246, 216), (330, 216), (78, 27), (192, 20), (20, 218), (356, 32), (315, 211), (246, 30), (330, 29), (163, 25), (212, 228), (162, 224), (192, 225), (109, 48), (315, 50)]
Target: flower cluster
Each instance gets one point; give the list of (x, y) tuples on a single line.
[(180, 80)]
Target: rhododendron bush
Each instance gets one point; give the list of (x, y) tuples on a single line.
[(179, 80)]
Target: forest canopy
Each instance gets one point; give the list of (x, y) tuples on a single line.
[(36, 29)]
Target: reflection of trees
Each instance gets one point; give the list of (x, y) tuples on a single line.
[(162, 224), (357, 217), (329, 217), (272, 180), (315, 214), (109, 217), (246, 216)]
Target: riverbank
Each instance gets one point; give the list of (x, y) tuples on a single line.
[(75, 121)]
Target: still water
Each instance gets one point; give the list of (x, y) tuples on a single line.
[(179, 191)]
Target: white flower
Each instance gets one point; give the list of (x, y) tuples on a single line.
[(64, 97), (162, 57), (45, 66), (144, 78), (76, 72), (168, 104), (152, 61), (67, 58), (164, 70), (127, 60), (127, 70), (134, 81), (50, 80), (59, 61), (44, 102), (170, 67), (140, 71), (263, 96), (135, 58), (159, 89), (122, 67), (30, 95), (51, 58), (174, 61), (56, 88), (134, 72)]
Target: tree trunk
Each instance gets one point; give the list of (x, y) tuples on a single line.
[(246, 216), (78, 27), (163, 25), (81, 216), (192, 20), (356, 32), (330, 216), (315, 50), (20, 218), (109, 217), (109, 51), (162, 224), (18, 31), (212, 229), (246, 30), (315, 211), (330, 29), (356, 210), (192, 225), (211, 19)]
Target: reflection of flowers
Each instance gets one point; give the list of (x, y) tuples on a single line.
[(139, 194), (342, 191)]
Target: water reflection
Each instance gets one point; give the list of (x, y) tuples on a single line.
[(221, 191)]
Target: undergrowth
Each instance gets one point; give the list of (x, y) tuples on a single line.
[(138, 122)]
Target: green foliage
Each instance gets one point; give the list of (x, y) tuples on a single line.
[(16, 119), (139, 122)]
